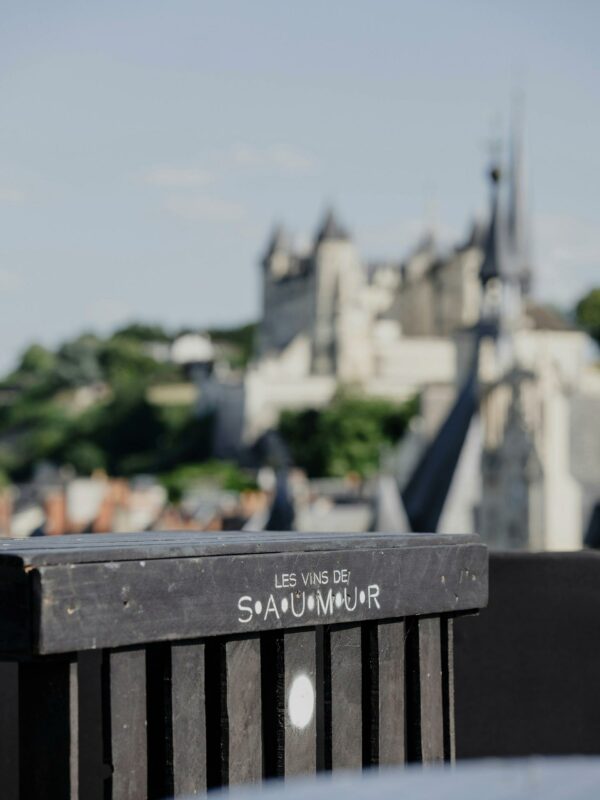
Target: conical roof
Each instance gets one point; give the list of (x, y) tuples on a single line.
[(331, 229), (278, 242), (491, 266)]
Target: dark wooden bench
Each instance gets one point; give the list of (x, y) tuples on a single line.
[(158, 664)]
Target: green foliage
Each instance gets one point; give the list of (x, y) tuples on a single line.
[(345, 437), (78, 361), (128, 425), (222, 474), (122, 434), (144, 333), (37, 361), (125, 363), (587, 313), (84, 456)]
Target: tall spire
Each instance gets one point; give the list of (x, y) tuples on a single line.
[(331, 228), (278, 242), (517, 228), (491, 266)]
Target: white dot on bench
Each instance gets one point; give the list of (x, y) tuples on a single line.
[(301, 701)]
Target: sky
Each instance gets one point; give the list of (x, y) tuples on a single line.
[(147, 148)]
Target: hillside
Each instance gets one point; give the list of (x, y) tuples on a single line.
[(104, 403)]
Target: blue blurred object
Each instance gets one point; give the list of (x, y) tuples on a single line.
[(531, 779)]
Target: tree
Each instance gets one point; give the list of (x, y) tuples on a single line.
[(346, 437), (241, 339), (78, 361), (37, 361), (587, 313), (143, 332)]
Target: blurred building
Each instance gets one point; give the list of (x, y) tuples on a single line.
[(500, 378)]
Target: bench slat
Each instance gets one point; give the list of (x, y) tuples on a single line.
[(48, 729), (128, 724), (188, 719), (430, 668), (9, 730), (391, 693), (244, 710), (346, 697), (447, 624), (300, 682)]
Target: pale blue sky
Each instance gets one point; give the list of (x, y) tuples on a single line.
[(147, 147)]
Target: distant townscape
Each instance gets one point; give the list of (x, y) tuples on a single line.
[(506, 439), (431, 393)]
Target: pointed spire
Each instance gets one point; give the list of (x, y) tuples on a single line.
[(331, 228), (491, 264), (517, 223), (278, 242)]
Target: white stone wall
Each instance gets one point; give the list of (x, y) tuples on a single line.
[(339, 279), (531, 496)]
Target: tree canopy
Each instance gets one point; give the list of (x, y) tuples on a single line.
[(587, 313), (347, 436)]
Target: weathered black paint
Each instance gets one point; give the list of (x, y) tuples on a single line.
[(117, 603), (527, 668), (163, 689)]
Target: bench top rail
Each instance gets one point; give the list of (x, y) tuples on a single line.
[(74, 593)]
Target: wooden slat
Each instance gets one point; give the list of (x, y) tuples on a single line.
[(74, 729), (300, 698), (346, 697), (93, 771), (391, 693), (128, 724), (447, 624), (244, 710), (47, 750), (188, 719), (9, 730), (431, 700), (272, 704), (217, 725)]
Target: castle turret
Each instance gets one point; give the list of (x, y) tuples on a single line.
[(277, 257), (491, 266), (340, 335), (502, 299), (331, 229)]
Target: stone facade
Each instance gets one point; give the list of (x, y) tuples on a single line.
[(396, 329)]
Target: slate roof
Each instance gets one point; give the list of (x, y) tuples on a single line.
[(425, 493), (279, 240), (546, 319), (331, 229), (491, 266)]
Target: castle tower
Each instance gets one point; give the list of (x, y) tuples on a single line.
[(277, 265), (490, 272), (276, 260), (339, 339)]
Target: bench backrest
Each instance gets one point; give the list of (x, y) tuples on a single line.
[(158, 664)]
